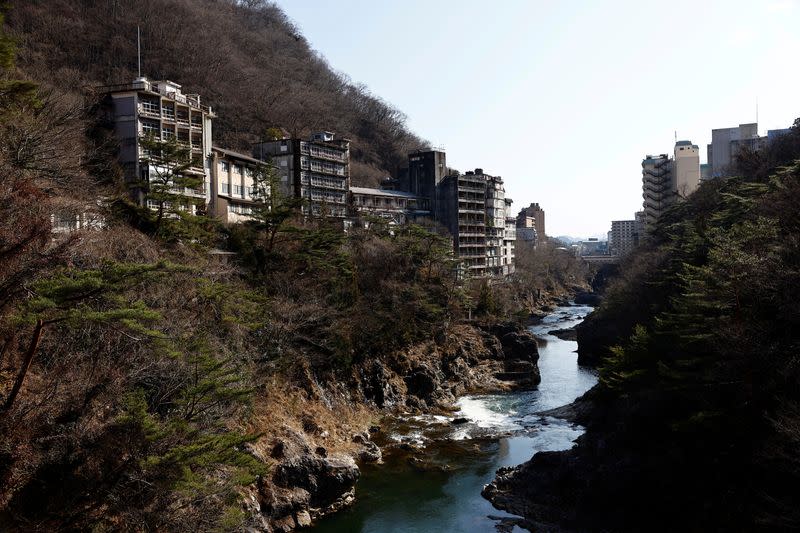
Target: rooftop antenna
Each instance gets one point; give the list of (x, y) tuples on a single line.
[(756, 112), (139, 50), (676, 136)]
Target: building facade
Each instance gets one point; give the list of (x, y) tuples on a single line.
[(531, 217), (160, 110), (686, 172), (426, 170), (656, 187), (509, 241), (316, 170), (232, 185), (726, 142), (396, 207), (624, 237)]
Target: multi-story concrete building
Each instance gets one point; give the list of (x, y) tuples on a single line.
[(316, 170), (686, 171), (509, 241), (624, 237), (461, 208), (232, 185), (531, 217), (426, 170), (397, 207), (726, 142), (526, 227), (666, 179), (160, 109), (495, 223), (656, 188)]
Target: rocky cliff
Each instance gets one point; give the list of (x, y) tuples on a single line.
[(314, 451)]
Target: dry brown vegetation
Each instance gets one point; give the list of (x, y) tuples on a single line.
[(257, 71)]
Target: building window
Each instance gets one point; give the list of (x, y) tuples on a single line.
[(237, 190), (238, 169), (150, 127), (226, 188), (226, 167)]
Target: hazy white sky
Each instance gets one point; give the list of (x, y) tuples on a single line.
[(564, 98)]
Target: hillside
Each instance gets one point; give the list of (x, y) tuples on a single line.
[(694, 425), (245, 59)]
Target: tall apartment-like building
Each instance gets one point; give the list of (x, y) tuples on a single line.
[(624, 237), (531, 217), (666, 179), (159, 108), (426, 170), (495, 225), (686, 171), (462, 210), (316, 170), (656, 187), (509, 241)]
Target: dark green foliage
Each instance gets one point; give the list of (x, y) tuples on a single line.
[(172, 214), (705, 368)]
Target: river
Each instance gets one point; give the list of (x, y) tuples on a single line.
[(434, 485)]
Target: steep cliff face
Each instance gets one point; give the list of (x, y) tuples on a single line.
[(314, 449)]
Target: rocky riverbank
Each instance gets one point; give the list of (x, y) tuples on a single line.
[(329, 424)]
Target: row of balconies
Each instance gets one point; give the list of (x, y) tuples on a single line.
[(323, 181), (323, 153), (182, 118), (325, 168)]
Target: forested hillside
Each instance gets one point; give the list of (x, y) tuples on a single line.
[(695, 424), (245, 59)]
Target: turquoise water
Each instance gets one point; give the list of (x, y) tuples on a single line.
[(437, 487)]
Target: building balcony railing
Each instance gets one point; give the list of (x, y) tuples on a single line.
[(321, 152), (146, 85)]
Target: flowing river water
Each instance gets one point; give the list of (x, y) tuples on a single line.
[(432, 479)]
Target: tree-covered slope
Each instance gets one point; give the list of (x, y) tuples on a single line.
[(695, 422), (245, 59)]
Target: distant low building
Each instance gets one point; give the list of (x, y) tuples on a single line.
[(396, 207), (593, 246)]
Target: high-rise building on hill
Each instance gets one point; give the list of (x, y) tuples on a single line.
[(426, 170), (656, 186), (666, 179), (316, 170), (159, 109), (687, 168), (530, 224)]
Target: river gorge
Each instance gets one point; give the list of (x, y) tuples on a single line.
[(435, 466)]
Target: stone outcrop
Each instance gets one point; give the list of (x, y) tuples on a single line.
[(309, 479), (432, 375)]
